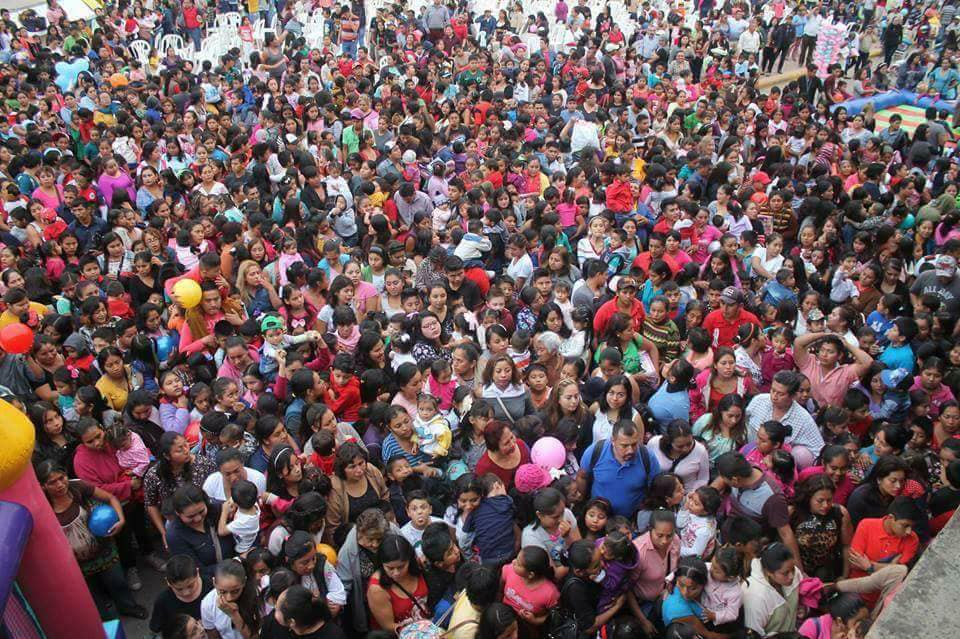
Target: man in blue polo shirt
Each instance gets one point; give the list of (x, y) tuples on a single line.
[(622, 471)]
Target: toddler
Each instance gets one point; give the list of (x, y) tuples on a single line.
[(473, 245), (274, 340), (400, 475), (324, 444), (440, 384), (722, 596), (779, 357), (519, 350), (432, 429), (697, 522), (243, 507), (492, 523), (132, 454), (619, 558)]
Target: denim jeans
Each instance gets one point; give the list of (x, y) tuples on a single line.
[(195, 37)]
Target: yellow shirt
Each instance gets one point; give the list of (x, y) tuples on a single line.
[(114, 393), (463, 611), (7, 318)]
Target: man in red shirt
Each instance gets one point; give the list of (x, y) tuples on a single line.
[(625, 302), (657, 246), (723, 323), (881, 550)]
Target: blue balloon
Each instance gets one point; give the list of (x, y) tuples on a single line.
[(102, 519), (164, 346)]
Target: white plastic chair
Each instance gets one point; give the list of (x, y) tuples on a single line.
[(171, 41), (141, 51)]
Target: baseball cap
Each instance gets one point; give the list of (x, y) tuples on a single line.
[(270, 322), (815, 315), (946, 266), (731, 295), (409, 156), (530, 477)]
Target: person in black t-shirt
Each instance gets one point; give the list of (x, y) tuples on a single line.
[(306, 617), (580, 593), (185, 590)]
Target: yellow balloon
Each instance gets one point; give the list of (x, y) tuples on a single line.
[(17, 435), (328, 552), (187, 292)]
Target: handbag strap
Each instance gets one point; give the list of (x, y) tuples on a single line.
[(416, 602), (216, 544), (505, 411)]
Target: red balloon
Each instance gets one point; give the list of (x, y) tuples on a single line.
[(16, 338)]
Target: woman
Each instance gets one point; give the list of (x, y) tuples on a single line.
[(305, 615), (835, 464), (192, 530), (401, 441), (722, 378), (145, 280), (498, 621), (615, 403), (366, 298), (438, 304), (505, 453), (72, 501), (658, 551), (771, 594), (232, 609), (566, 402), (307, 513), (96, 463), (175, 466), (503, 390), (751, 342), (47, 357), (357, 562), (463, 360), (118, 379), (546, 347), (885, 482), (356, 486), (256, 292), (430, 339), (397, 593), (410, 383), (54, 440), (197, 332), (390, 301), (724, 429), (679, 453), (822, 529)]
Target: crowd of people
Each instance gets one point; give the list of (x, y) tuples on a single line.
[(412, 328)]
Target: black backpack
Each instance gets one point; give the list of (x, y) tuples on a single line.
[(561, 622)]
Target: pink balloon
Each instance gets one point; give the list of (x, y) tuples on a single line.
[(548, 452)]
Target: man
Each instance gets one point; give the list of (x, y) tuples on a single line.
[(657, 251), (459, 287), (780, 405), (881, 550), (436, 17), (810, 32), (753, 494), (809, 84), (723, 323), (88, 227), (829, 380), (749, 40), (621, 471), (941, 281), (231, 470), (591, 289), (409, 202)]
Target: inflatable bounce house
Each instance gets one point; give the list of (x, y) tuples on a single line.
[(892, 99), (42, 591)]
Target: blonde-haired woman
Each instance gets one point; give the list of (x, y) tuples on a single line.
[(256, 292)]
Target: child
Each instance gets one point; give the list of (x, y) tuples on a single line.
[(921, 429), (842, 287), (343, 396), (722, 596), (835, 422), (619, 559), (244, 507), (592, 522), (274, 340), (432, 430), (879, 320), (418, 510), (779, 357), (132, 454), (898, 353), (467, 494), (399, 475), (492, 523), (324, 444), (930, 380), (347, 332), (537, 383), (661, 330), (441, 385), (528, 586), (519, 350), (473, 245), (697, 522), (617, 254), (665, 493)]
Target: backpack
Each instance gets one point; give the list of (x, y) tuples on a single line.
[(595, 457)]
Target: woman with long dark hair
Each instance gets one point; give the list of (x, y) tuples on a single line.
[(232, 609), (397, 591)]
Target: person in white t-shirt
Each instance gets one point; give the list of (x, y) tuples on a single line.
[(245, 512), (231, 469)]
